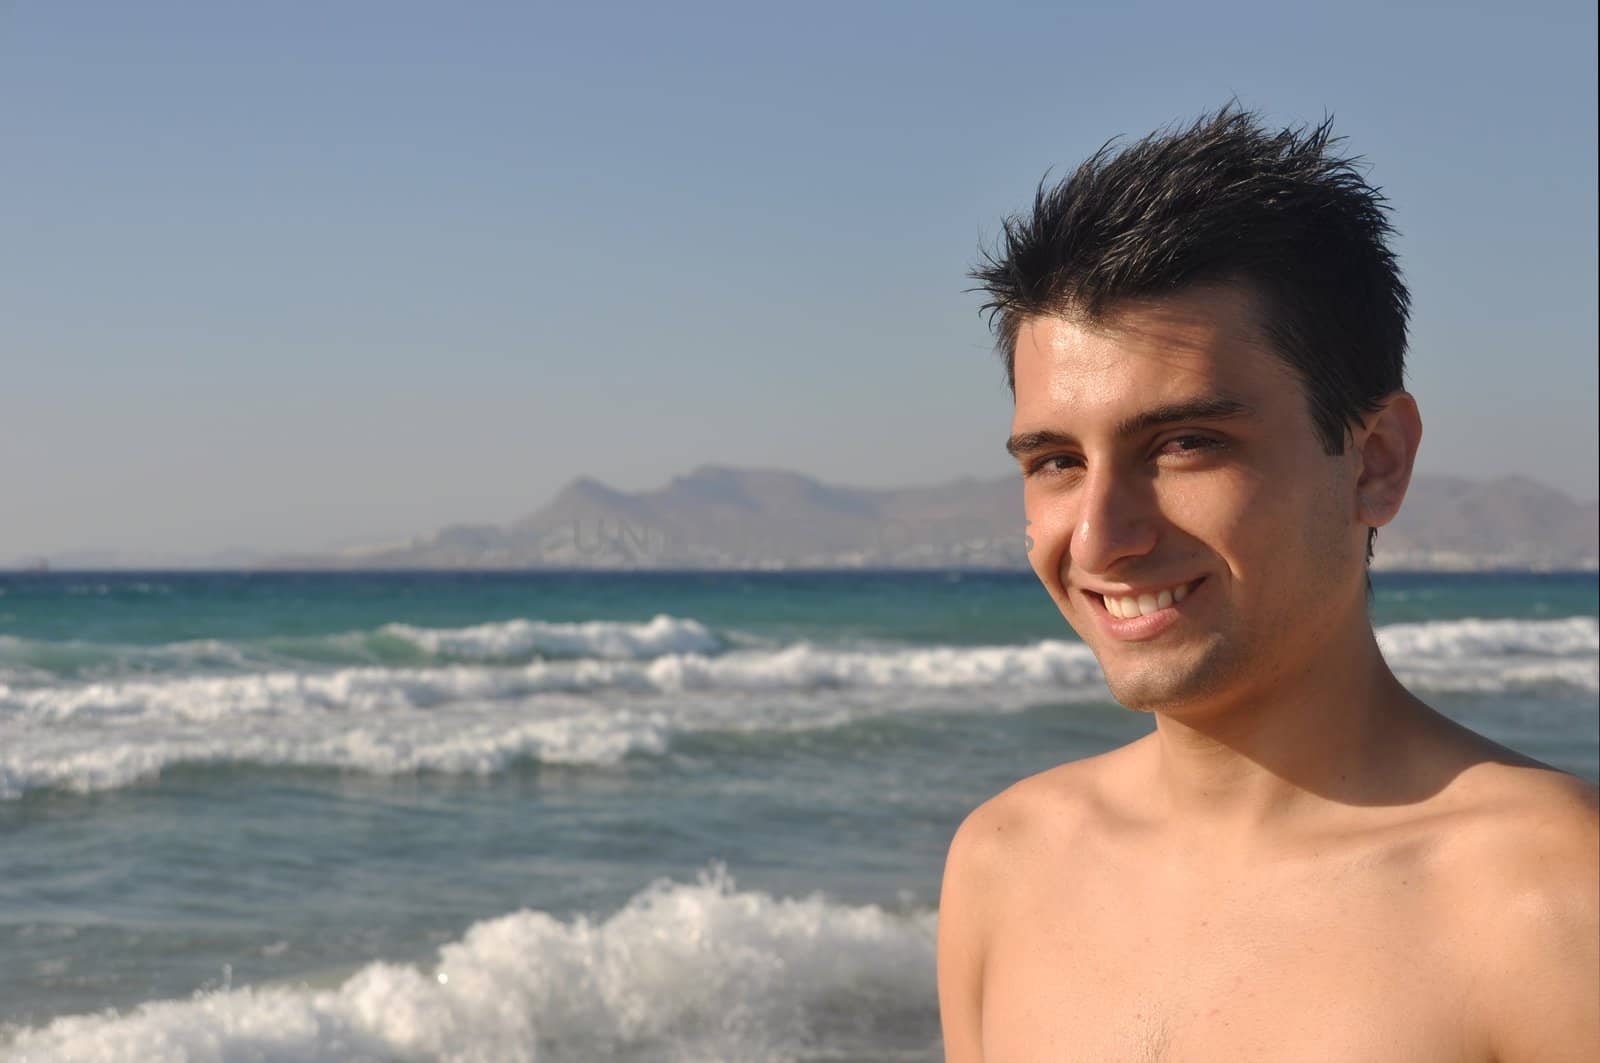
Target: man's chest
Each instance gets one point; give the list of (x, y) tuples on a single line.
[(1136, 972)]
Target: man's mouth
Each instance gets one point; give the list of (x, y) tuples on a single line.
[(1128, 606)]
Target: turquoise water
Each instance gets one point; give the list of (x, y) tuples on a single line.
[(961, 608), (421, 815)]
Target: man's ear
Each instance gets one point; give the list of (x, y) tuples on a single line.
[(1387, 444)]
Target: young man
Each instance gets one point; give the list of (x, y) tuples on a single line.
[(1205, 335)]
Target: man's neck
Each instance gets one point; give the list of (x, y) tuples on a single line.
[(1330, 733)]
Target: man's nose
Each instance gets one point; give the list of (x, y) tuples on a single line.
[(1117, 520)]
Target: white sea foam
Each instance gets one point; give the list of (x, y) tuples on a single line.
[(801, 667), (95, 736), (518, 639), (88, 736), (685, 972), (500, 642), (1492, 656)]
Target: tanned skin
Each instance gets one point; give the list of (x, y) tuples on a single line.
[(1303, 863)]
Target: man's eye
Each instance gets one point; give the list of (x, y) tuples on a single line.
[(1055, 466), (1190, 444)]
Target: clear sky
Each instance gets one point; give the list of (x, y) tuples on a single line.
[(280, 275)]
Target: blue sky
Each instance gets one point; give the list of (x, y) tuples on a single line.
[(282, 275)]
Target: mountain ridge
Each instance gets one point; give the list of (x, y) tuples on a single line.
[(720, 516)]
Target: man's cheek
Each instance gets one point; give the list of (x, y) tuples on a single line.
[(1045, 536)]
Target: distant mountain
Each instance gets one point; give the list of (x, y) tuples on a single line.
[(1510, 522), (722, 517)]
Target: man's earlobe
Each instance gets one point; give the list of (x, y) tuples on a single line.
[(1388, 446)]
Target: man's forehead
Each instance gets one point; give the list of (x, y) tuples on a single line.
[(1200, 341)]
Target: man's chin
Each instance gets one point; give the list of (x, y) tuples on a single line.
[(1168, 689), (1142, 697)]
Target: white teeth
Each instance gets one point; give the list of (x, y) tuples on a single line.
[(1127, 607)]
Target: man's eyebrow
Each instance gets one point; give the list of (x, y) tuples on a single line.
[(1024, 443), (1207, 409)]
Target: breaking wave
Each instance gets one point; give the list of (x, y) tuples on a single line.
[(95, 736), (684, 971), (1491, 656), (497, 642), (478, 718), (513, 640)]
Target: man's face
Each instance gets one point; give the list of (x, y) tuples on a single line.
[(1183, 514)]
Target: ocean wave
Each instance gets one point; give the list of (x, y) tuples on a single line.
[(47, 660), (479, 719), (496, 642), (518, 640), (800, 667), (1494, 656), (1484, 643), (1455, 639), (96, 736), (684, 971)]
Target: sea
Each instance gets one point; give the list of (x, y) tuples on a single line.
[(571, 816)]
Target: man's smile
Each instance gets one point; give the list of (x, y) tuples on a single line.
[(1127, 604), (1137, 613)]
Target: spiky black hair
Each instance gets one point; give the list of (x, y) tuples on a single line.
[(1222, 201)]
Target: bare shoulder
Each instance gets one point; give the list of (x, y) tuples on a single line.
[(1040, 815), (1519, 836), (1527, 824), (996, 853), (1524, 864), (1002, 844)]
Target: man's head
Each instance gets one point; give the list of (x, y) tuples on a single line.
[(1205, 336), (1223, 201)]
